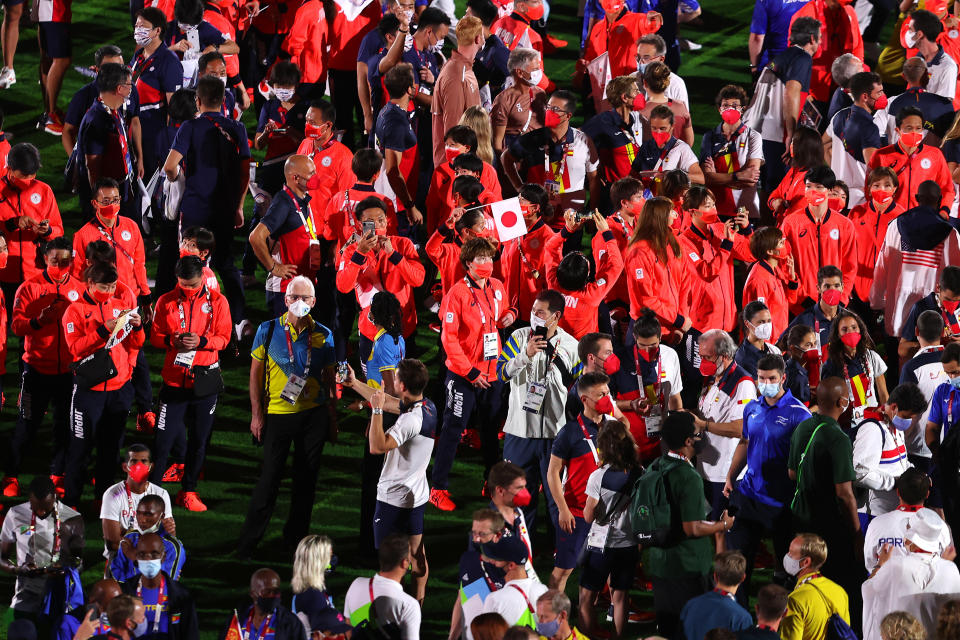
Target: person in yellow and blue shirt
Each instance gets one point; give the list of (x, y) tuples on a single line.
[(292, 400)]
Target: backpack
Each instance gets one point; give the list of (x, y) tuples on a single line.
[(651, 514)]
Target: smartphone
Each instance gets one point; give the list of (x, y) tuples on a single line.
[(540, 332), (369, 227), (342, 371)]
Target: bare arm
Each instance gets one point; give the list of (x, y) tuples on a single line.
[(754, 46), (701, 528), (588, 509), (69, 138), (94, 163), (732, 429), (791, 107), (394, 53), (136, 139), (932, 436), (565, 518), (499, 131), (675, 402), (391, 161), (511, 169), (111, 533), (695, 173), (379, 441), (363, 90), (737, 463), (171, 166), (257, 377), (848, 504)]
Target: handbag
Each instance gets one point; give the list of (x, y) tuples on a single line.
[(96, 368), (207, 380), (837, 627)]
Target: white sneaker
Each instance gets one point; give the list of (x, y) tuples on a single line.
[(7, 78)]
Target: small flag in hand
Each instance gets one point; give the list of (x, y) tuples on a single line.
[(234, 631), (509, 221)]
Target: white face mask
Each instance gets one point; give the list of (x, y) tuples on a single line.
[(536, 322), (408, 14), (911, 37), (790, 565), (186, 28), (535, 77), (763, 331), (299, 308), (141, 35), (437, 47), (153, 529), (283, 95)]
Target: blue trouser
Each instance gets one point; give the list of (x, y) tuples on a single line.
[(37, 391), (533, 456), (142, 387), (462, 399), (179, 406)]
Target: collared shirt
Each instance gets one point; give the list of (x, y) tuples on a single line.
[(104, 133), (816, 320), (945, 408), (711, 610), (926, 371), (156, 76), (747, 355), (293, 118), (879, 458), (859, 132), (675, 154), (617, 142), (729, 155), (394, 130), (724, 400), (890, 528), (564, 175), (292, 227), (937, 110), (579, 457), (942, 71), (808, 612), (926, 303), (393, 605), (490, 65), (403, 480), (771, 19)]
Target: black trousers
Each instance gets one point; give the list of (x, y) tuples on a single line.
[(669, 596), (346, 102), (223, 263), (183, 415), (307, 432), (98, 419), (142, 387), (754, 521), (37, 392)]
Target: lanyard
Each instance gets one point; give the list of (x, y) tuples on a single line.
[(370, 586), (476, 301), (663, 155), (626, 227), (524, 534), (139, 65), (130, 502), (910, 508), (809, 578), (307, 226), (525, 598), (678, 456), (348, 209), (657, 385), (586, 436), (526, 261), (113, 241), (950, 320), (949, 411), (121, 135), (723, 592), (55, 553), (561, 164), (286, 333), (183, 319), (264, 626), (869, 373), (161, 600)]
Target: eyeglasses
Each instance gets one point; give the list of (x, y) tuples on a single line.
[(107, 203), (556, 109), (294, 297)]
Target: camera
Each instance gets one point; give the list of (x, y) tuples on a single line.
[(582, 216)]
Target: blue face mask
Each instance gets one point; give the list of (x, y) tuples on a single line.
[(768, 389), (901, 424), (954, 382), (548, 629), (149, 568), (641, 67), (141, 629)]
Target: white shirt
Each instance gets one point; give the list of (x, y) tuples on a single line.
[(35, 547), (918, 583), (681, 156), (889, 528), (121, 507), (716, 405), (928, 377), (943, 76), (403, 480), (391, 603), (879, 458), (510, 603)]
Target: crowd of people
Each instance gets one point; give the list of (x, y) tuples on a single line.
[(701, 363)]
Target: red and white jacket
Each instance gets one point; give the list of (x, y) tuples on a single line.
[(710, 259), (44, 346)]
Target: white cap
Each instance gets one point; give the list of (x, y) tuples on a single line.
[(924, 530)]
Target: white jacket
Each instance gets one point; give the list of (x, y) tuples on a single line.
[(879, 458)]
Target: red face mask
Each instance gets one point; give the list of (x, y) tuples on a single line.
[(639, 102), (911, 139), (483, 269), (190, 290), (730, 116), (881, 102), (660, 137), (851, 339), (108, 212), (612, 7), (21, 184), (835, 203), (831, 297), (611, 365), (708, 368), (380, 231), (815, 198), (950, 306), (648, 354), (525, 210), (312, 130), (604, 405), (551, 119), (314, 182), (636, 207), (189, 252), (710, 216), (881, 196), (3, 259), (138, 472), (101, 296), (535, 13), (522, 498), (451, 153), (56, 271)]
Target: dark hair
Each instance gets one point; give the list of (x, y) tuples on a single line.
[(469, 220), (913, 486), (60, 243), (468, 162), (536, 194), (287, 74), (930, 326), (772, 602), (674, 185), (590, 344), (951, 353), (42, 487), (327, 112), (210, 91), (657, 77), (101, 251), (822, 175), (720, 633), (106, 51), (462, 134), (485, 10), (573, 272), (676, 428), (188, 11), (616, 446), (950, 278), (906, 112), (840, 184), (155, 500), (592, 379), (765, 240), (189, 267), (105, 182), (138, 448), (696, 195), (661, 111), (388, 25), (752, 309), (647, 325), (862, 83), (731, 92), (101, 273), (828, 271), (366, 163), (25, 158), (804, 31), (927, 22), (398, 80), (624, 189), (837, 351), (879, 173), (908, 397), (207, 58), (554, 300), (370, 202), (393, 550), (568, 97), (111, 75), (468, 188), (929, 194), (156, 17), (475, 248), (772, 362), (503, 474), (432, 17), (413, 374), (385, 311), (807, 148), (795, 334), (202, 237), (183, 105)]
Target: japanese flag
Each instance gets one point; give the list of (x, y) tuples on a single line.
[(506, 215)]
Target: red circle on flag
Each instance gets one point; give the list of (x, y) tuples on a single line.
[(508, 218)]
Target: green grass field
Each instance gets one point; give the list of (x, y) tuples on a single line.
[(219, 582)]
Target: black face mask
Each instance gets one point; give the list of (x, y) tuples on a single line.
[(471, 543), (698, 444), (267, 604)]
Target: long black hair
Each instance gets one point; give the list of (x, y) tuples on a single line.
[(385, 312)]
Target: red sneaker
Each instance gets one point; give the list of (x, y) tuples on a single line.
[(11, 487), (147, 422), (551, 44), (440, 498), (435, 327), (471, 438), (190, 500), (58, 485), (174, 473), (54, 124)]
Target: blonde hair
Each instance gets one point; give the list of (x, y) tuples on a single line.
[(468, 29), (310, 563), (954, 131), (617, 89), (900, 625), (812, 546), (478, 119), (948, 621)]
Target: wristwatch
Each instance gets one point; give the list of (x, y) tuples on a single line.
[(377, 412)]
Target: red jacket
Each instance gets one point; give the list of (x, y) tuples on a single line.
[(126, 239), (443, 249), (656, 285), (466, 314), (518, 261), (926, 163), (339, 223), (366, 274), (813, 245), (213, 328), (440, 196), (85, 330), (345, 35), (332, 162), (871, 228), (622, 232), (39, 203), (307, 41), (44, 347), (515, 31), (792, 190), (619, 40), (766, 286), (222, 23), (840, 32), (580, 313), (710, 263)]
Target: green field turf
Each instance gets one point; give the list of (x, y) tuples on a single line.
[(218, 581)]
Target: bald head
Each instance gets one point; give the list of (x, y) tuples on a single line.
[(915, 71), (296, 171), (264, 580), (103, 591), (832, 396), (150, 547)]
